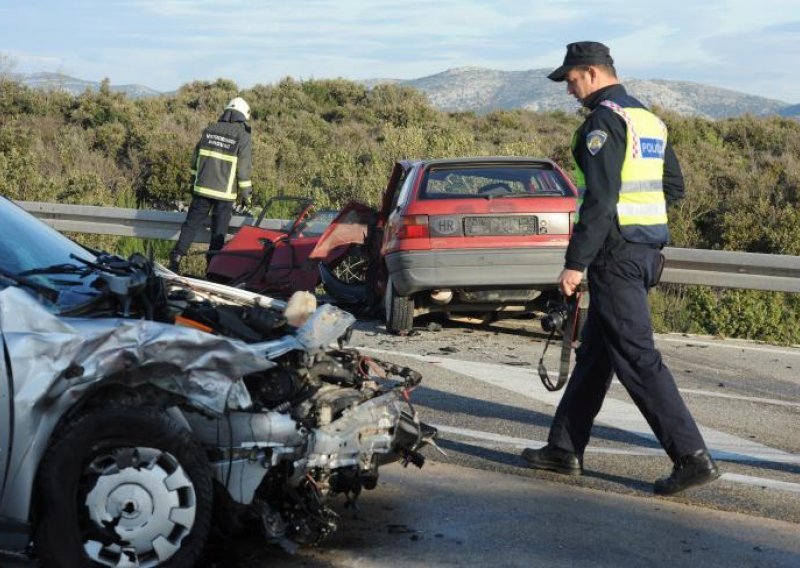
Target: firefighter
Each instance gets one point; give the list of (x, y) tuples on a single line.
[(626, 171), (221, 166)]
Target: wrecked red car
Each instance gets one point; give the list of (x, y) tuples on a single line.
[(274, 254), (476, 235), (459, 235)]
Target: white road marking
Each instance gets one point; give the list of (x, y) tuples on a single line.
[(762, 482), (713, 394), (690, 341), (758, 400), (615, 413), (520, 443)]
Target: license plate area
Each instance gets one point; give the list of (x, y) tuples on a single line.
[(501, 225)]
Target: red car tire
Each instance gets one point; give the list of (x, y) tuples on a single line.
[(399, 310)]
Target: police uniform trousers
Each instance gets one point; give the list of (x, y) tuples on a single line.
[(221, 212), (618, 339)]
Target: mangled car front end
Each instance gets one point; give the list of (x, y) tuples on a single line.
[(163, 404)]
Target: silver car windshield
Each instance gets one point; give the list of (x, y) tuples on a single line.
[(42, 260), (26, 243)]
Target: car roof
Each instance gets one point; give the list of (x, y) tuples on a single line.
[(478, 160)]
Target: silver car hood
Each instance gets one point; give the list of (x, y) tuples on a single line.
[(50, 355)]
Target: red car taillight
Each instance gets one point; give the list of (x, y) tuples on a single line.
[(409, 232), (413, 227)]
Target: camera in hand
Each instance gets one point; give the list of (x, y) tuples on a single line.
[(555, 318), (558, 313), (566, 316)]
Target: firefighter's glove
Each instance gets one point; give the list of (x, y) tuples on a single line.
[(245, 201), (247, 197)]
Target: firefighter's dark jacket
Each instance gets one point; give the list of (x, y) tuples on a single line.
[(222, 160), (597, 229)]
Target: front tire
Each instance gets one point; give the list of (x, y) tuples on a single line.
[(399, 310), (123, 486)]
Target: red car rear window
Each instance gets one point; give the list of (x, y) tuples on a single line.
[(489, 182)]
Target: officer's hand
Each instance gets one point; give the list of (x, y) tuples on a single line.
[(569, 280)]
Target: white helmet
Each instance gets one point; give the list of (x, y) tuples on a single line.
[(239, 104)]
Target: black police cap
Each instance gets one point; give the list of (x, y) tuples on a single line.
[(582, 53)]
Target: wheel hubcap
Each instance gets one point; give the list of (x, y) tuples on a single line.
[(144, 500)]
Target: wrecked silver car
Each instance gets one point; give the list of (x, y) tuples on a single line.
[(140, 407)]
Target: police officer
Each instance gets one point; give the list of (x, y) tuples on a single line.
[(626, 171), (221, 166)]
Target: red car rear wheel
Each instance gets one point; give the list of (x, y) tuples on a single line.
[(399, 310)]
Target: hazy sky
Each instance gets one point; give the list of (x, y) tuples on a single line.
[(746, 45)]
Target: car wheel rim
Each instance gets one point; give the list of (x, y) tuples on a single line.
[(144, 500), (352, 269)]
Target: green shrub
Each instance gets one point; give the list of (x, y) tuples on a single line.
[(749, 314)]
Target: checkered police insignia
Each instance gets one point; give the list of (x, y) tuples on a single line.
[(595, 140)]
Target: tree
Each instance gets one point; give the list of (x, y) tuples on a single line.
[(7, 65)]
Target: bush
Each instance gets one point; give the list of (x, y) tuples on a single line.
[(748, 314)]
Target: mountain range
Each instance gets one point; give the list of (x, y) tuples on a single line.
[(483, 90), (61, 82)]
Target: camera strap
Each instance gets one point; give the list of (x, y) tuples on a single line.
[(568, 340), (543, 374)]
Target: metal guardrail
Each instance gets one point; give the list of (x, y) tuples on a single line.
[(731, 269), (142, 223), (726, 269)]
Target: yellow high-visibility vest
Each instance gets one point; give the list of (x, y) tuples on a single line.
[(641, 206), (222, 164)]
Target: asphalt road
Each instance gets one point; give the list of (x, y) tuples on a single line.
[(480, 506), (481, 389)]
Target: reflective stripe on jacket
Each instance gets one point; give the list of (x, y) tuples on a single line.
[(222, 161), (641, 206)]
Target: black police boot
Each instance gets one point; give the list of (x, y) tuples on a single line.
[(175, 262), (695, 469), (555, 459)]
